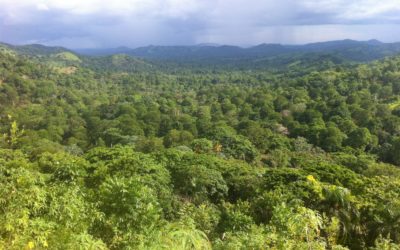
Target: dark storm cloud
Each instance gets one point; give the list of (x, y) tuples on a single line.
[(95, 23)]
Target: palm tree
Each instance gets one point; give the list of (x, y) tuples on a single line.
[(340, 203)]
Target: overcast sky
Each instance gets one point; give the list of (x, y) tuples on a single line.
[(133, 23)]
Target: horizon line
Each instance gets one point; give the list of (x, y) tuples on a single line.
[(197, 44)]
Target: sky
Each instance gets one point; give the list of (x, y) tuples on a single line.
[(134, 23)]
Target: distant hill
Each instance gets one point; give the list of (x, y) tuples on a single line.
[(117, 62), (357, 51), (35, 49), (313, 56), (103, 52), (60, 57), (67, 56)]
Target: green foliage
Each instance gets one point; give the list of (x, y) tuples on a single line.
[(68, 56), (385, 244), (13, 135), (123, 162), (202, 145), (360, 138), (177, 138), (179, 236), (236, 146), (129, 207), (121, 153), (63, 167), (199, 183)]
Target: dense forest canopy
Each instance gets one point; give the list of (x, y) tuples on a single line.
[(119, 152)]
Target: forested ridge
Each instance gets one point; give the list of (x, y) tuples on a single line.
[(118, 152)]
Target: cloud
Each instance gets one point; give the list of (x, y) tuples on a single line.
[(357, 11), (99, 23)]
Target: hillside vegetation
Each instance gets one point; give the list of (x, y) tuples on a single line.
[(116, 152)]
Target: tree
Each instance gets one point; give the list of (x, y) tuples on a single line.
[(202, 145), (332, 139), (177, 138), (360, 138), (130, 207), (395, 151)]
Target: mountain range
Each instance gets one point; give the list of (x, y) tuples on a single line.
[(348, 49), (262, 56)]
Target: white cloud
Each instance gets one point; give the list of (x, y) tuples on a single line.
[(372, 9), (114, 7), (140, 22), (354, 9), (42, 6)]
